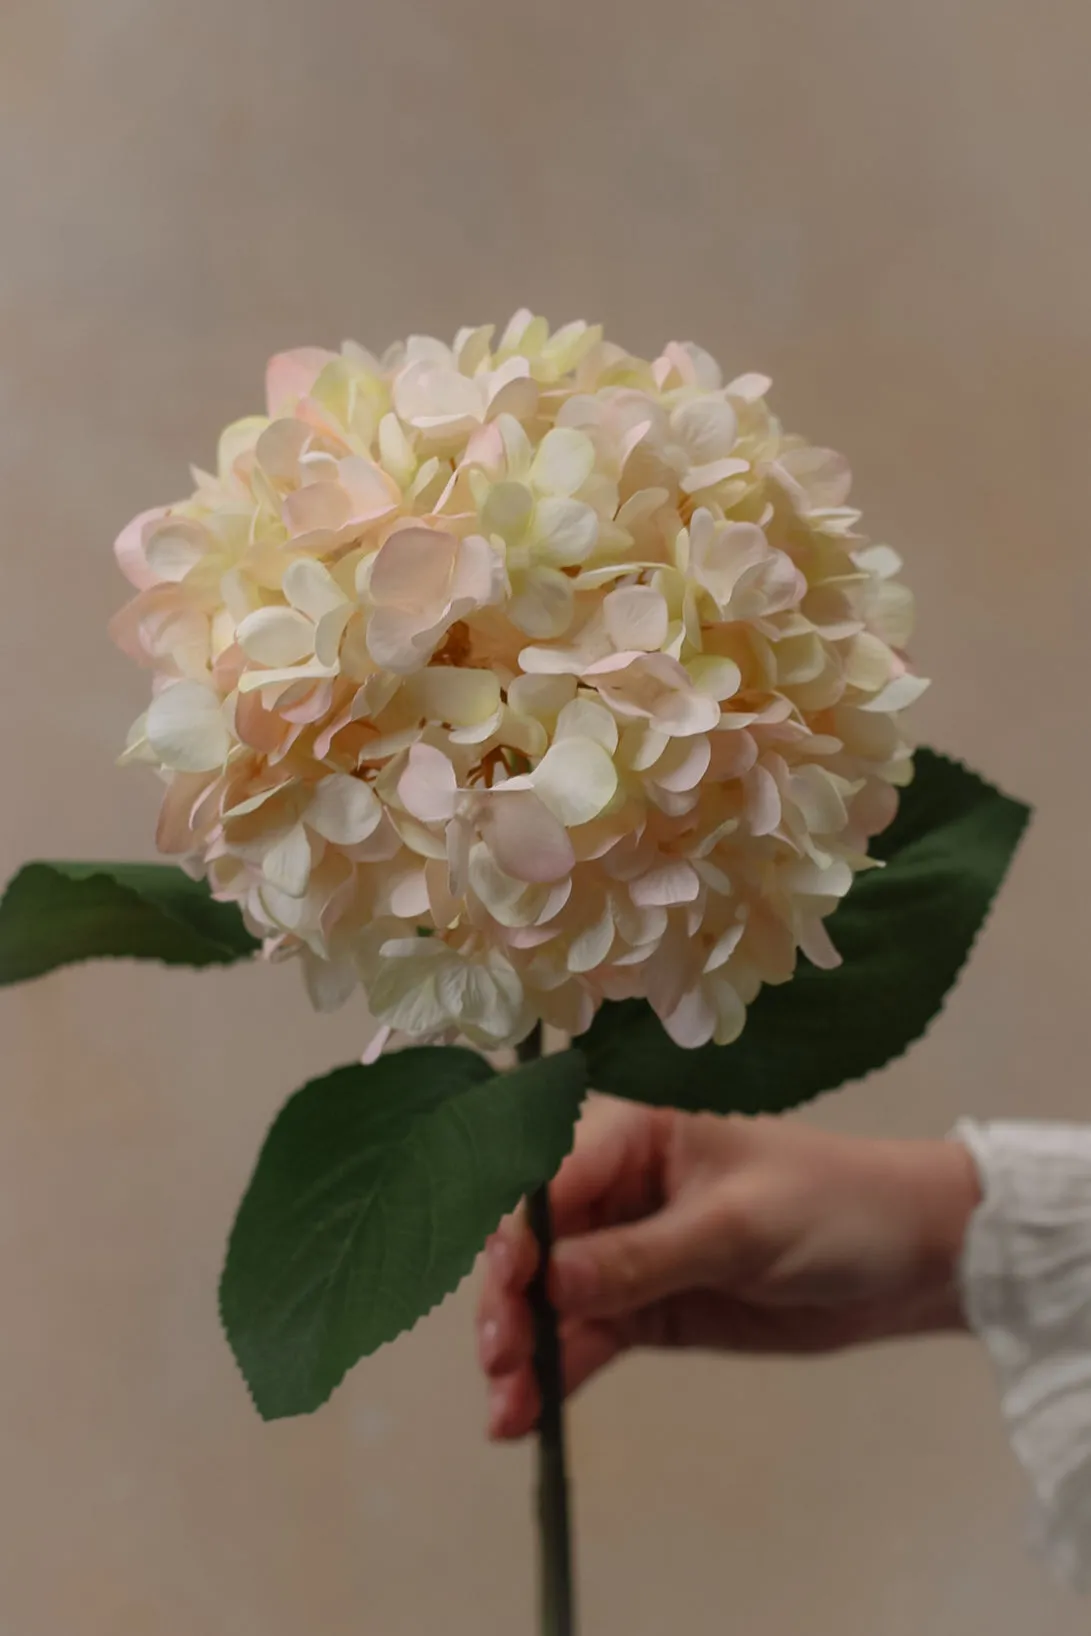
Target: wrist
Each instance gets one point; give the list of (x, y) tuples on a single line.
[(943, 1191)]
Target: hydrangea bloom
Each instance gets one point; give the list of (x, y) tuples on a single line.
[(510, 676)]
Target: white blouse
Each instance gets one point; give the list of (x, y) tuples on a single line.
[(1026, 1286)]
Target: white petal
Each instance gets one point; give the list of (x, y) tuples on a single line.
[(344, 809), (276, 636), (185, 728), (576, 778)]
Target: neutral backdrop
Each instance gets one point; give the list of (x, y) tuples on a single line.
[(886, 207)]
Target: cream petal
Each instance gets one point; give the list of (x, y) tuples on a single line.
[(524, 837), (129, 548), (289, 376), (636, 618), (725, 946), (186, 729), (748, 388), (898, 695), (265, 679), (329, 982), (413, 569), (565, 530), (707, 426), (316, 506), (718, 678), (406, 893), (432, 397), (670, 882), (345, 810), (692, 1023), (427, 787), (396, 451), (511, 902), (729, 1008), (464, 698), (276, 636), (328, 633), (542, 607), (312, 588), (564, 461), (478, 576), (512, 392), (541, 696), (683, 764), (173, 546), (286, 866), (370, 492), (279, 448), (507, 510), (683, 712), (576, 778), (585, 718), (822, 474), (763, 807), (817, 945), (591, 946)]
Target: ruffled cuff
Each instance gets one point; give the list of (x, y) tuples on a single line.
[(1026, 1287)]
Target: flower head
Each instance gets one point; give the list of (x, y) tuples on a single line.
[(508, 677)]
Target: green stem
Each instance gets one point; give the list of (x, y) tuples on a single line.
[(554, 1538)]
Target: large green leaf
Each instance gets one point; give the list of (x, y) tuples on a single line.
[(55, 914), (904, 932), (373, 1194)]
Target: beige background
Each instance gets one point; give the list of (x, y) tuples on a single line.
[(884, 206)]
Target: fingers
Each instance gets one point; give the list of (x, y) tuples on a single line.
[(613, 1172), (619, 1270), (586, 1347)]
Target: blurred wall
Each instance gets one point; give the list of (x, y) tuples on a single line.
[(884, 206)]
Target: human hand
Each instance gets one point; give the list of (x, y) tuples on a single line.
[(688, 1230)]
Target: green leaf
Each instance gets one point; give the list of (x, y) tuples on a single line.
[(55, 914), (374, 1192), (904, 932)]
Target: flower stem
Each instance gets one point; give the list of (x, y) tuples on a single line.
[(554, 1541)]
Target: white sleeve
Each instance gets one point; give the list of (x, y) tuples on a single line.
[(1026, 1286)]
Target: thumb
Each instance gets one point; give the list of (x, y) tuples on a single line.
[(621, 1269)]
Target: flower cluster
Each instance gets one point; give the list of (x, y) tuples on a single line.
[(510, 676)]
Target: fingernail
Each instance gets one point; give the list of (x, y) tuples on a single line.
[(501, 1259), (574, 1275), (490, 1342), (497, 1410)]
